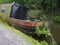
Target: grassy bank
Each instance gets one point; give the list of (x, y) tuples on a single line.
[(29, 39)]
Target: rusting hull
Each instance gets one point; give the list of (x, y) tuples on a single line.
[(24, 25)]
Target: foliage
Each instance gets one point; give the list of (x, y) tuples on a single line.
[(3, 18), (39, 4), (32, 13), (42, 30), (53, 43), (36, 14), (5, 1), (42, 17), (27, 3), (5, 15), (55, 18), (44, 43)]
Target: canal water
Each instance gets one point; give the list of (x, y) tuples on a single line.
[(55, 30)]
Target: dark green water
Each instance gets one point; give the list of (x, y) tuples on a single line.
[(56, 32)]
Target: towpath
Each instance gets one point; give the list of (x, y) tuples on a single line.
[(8, 37)]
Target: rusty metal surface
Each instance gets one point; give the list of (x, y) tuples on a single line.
[(25, 26), (24, 22)]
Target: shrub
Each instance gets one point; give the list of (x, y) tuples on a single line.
[(33, 13), (42, 30), (44, 43), (3, 18), (55, 18)]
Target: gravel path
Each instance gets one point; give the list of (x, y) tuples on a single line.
[(8, 37)]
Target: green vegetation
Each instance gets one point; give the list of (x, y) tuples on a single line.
[(55, 18), (7, 11), (5, 15), (44, 43), (43, 4), (4, 1), (32, 13), (42, 30), (53, 43), (29, 39), (38, 9)]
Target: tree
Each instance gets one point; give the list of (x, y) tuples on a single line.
[(4, 1)]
